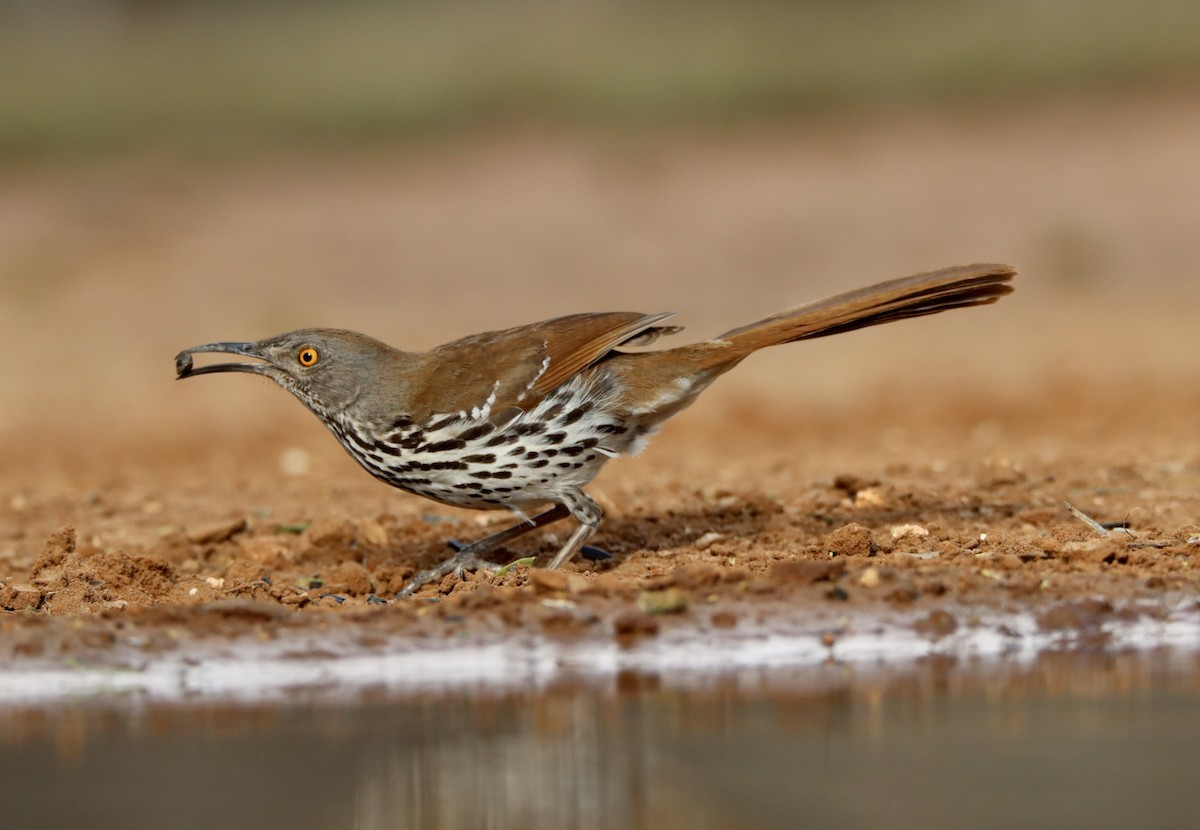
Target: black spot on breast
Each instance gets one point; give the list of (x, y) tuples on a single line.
[(566, 465), (444, 446), (575, 414), (588, 443), (502, 474), (556, 438), (552, 413), (448, 465), (477, 431), (572, 451), (387, 448), (493, 501), (539, 463), (481, 458), (403, 422), (531, 428), (469, 485), (612, 429), (550, 453), (442, 423), (482, 474), (517, 450)]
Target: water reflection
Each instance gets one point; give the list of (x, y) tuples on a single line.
[(1069, 741)]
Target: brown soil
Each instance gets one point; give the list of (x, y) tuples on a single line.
[(921, 466)]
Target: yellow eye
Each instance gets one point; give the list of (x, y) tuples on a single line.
[(308, 356)]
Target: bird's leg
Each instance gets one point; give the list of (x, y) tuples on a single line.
[(585, 511), (470, 558)]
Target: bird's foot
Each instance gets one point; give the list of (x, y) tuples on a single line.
[(465, 558)]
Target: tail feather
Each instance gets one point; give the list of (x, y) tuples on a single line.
[(915, 296)]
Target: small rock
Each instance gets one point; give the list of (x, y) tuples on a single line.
[(906, 531), (870, 497), (707, 540), (869, 578)]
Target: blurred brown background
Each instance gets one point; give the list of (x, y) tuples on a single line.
[(173, 173)]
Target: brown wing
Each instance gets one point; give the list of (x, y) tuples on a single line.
[(515, 368)]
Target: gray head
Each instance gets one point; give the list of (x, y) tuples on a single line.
[(327, 369)]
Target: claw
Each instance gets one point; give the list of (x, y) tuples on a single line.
[(464, 559)]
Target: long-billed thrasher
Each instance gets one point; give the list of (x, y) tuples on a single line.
[(527, 416)]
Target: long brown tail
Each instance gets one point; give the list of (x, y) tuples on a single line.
[(915, 296)]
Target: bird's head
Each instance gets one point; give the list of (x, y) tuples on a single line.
[(327, 369)]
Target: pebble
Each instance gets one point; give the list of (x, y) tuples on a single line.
[(708, 539), (905, 531), (869, 578)]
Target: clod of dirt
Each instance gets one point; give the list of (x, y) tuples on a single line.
[(348, 578), (852, 485), (48, 570), (724, 619), (851, 540), (696, 575), (19, 597), (214, 534), (937, 624), (1081, 615), (547, 582), (806, 571), (630, 626)]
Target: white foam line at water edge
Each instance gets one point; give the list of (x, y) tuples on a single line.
[(256, 671)]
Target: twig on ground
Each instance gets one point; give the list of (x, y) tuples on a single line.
[(1086, 519)]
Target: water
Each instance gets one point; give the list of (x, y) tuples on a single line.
[(1065, 740)]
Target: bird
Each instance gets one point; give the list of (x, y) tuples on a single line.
[(525, 417)]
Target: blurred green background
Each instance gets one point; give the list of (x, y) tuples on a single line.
[(89, 76)]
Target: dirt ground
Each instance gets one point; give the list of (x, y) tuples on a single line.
[(920, 466)]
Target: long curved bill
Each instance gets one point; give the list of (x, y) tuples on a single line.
[(184, 367)]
